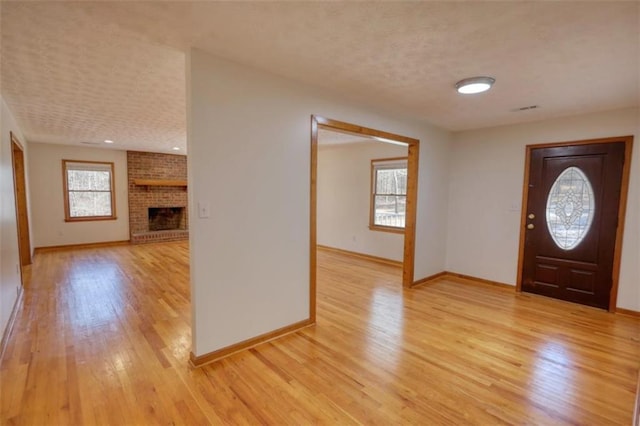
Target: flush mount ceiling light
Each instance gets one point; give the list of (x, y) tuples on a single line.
[(175, 148), (108, 141), (474, 85)]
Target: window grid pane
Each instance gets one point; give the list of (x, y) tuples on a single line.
[(88, 180), (390, 210), (89, 203), (391, 181)]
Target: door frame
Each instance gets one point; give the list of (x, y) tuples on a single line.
[(622, 207), (20, 195), (408, 262)]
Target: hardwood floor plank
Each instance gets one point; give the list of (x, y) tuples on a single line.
[(103, 337)]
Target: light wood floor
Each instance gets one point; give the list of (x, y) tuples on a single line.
[(103, 338)]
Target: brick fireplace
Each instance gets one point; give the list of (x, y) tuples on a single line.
[(157, 197)]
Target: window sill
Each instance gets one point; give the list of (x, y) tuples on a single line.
[(386, 229), (89, 218)]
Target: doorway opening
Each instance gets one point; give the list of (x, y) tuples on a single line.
[(574, 201), (407, 200), (20, 191)]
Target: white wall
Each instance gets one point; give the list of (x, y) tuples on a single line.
[(344, 199), (487, 172), (3, 298), (9, 253), (249, 150), (47, 197)]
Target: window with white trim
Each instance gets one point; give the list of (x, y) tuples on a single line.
[(88, 190), (388, 194)]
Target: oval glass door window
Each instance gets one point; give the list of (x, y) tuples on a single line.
[(570, 208)]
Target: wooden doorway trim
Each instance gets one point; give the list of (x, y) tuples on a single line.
[(624, 189), (408, 262), (20, 191)]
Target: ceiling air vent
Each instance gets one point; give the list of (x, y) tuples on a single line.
[(525, 108)]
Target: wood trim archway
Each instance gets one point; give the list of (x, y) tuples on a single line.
[(20, 191), (624, 189), (408, 262)]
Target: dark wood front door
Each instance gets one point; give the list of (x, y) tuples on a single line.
[(571, 220)]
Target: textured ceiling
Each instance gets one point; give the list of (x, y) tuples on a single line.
[(70, 76), (87, 71)]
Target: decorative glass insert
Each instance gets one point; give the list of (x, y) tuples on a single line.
[(570, 208)]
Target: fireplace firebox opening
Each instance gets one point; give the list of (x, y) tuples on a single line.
[(166, 218)]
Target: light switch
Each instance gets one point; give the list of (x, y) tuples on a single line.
[(203, 210)]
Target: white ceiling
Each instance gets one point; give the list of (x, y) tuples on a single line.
[(77, 72)]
